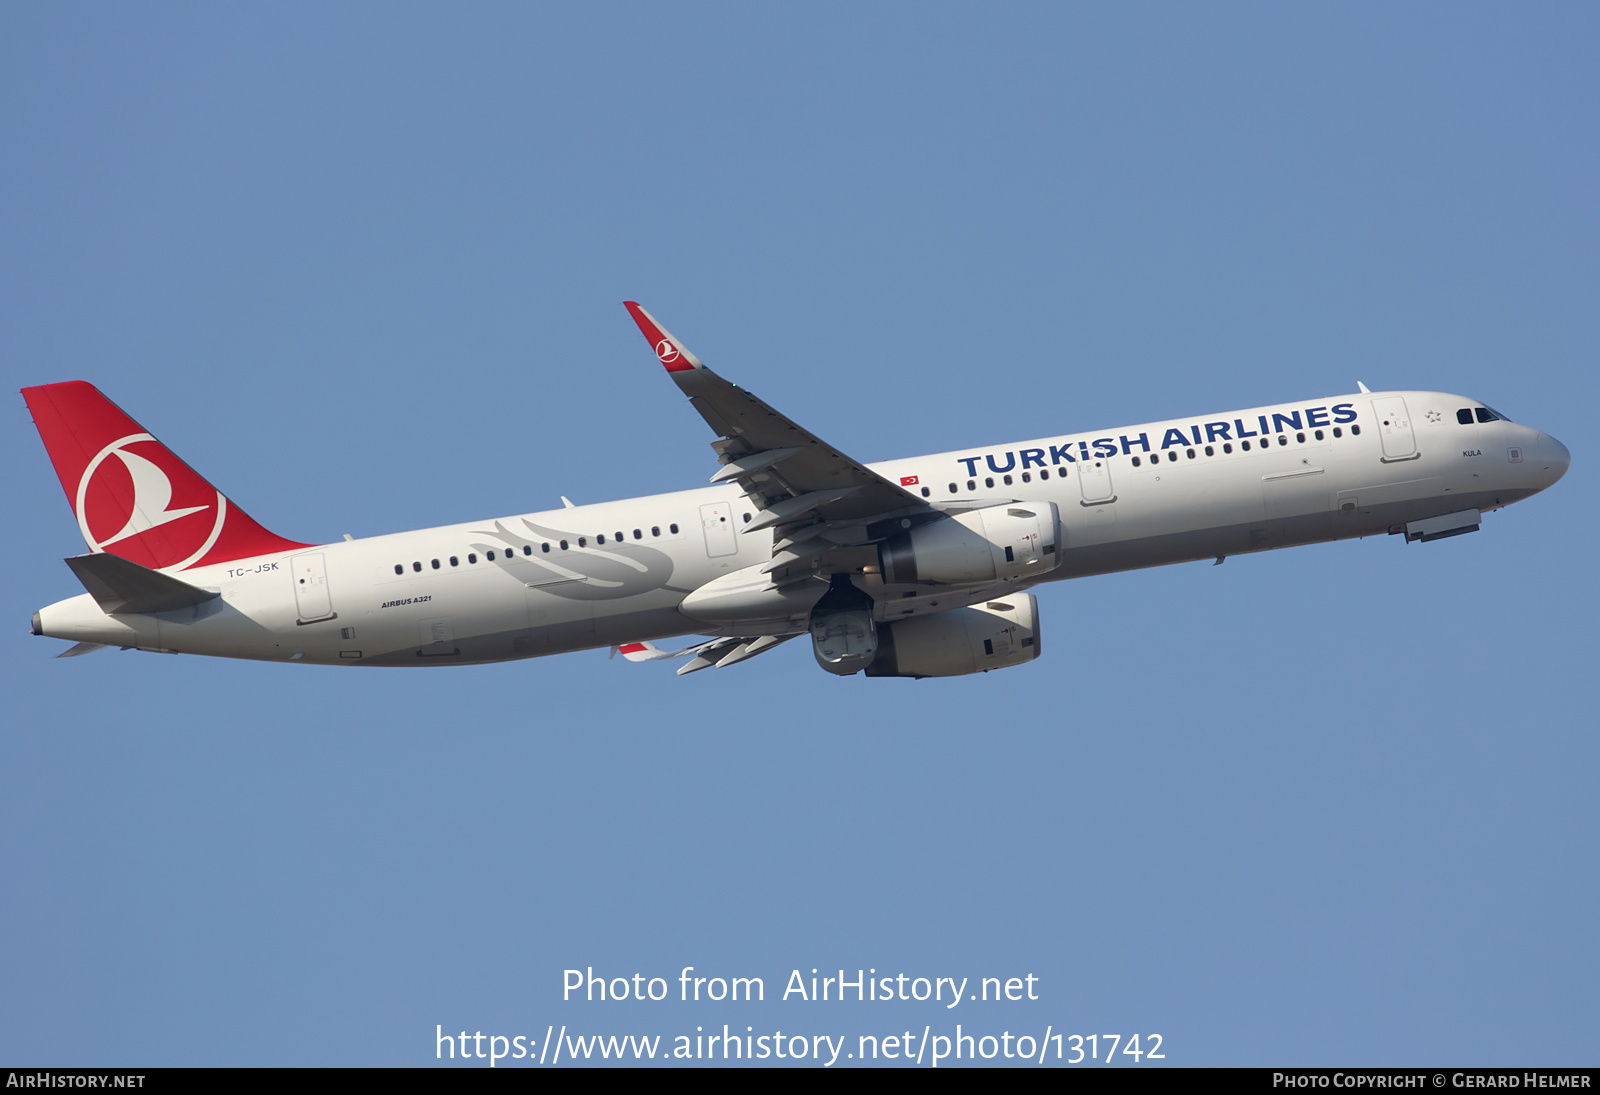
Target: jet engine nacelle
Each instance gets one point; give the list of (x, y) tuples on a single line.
[(963, 640), (1015, 540)]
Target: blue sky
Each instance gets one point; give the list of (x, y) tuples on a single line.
[(362, 266)]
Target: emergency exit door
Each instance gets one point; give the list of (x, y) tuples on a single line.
[(1094, 481), (716, 521)]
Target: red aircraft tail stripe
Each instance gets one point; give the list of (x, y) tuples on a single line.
[(132, 495)]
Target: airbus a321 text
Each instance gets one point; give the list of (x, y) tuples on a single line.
[(910, 568)]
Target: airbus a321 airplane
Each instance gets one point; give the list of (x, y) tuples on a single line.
[(909, 568)]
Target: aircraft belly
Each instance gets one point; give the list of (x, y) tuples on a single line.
[(556, 623)]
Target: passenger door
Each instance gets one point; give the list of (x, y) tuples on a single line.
[(312, 601), (1394, 426)]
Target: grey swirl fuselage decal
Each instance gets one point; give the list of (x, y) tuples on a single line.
[(610, 572)]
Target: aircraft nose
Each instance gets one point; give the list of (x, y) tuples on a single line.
[(1554, 459)]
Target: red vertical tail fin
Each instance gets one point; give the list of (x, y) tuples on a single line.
[(132, 496)]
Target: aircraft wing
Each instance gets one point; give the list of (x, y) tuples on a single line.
[(796, 479), (720, 653)]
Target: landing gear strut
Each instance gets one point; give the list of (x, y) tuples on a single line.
[(843, 636)]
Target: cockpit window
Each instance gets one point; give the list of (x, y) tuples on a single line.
[(1493, 415), (1464, 416)]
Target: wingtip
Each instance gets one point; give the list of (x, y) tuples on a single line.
[(671, 353)]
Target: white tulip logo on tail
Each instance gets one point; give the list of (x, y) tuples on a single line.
[(108, 510)]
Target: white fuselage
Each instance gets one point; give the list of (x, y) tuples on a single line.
[(560, 580)]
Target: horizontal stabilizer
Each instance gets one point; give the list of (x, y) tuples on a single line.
[(121, 585), (81, 649)]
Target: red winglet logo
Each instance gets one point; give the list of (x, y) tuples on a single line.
[(132, 496), (668, 349)]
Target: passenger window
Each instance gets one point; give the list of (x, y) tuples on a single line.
[(563, 545), (619, 537), (673, 528), (952, 488), (747, 518), (926, 492), (1045, 474), (1282, 440), (527, 549), (436, 564), (1172, 458), (583, 541), (1227, 448), (491, 556), (399, 568), (989, 482), (1337, 432), (598, 539), (1190, 453), (455, 562), (1027, 478), (472, 557), (637, 535), (1464, 416), (1355, 431), (1318, 435), (972, 484), (1244, 445), (1300, 437), (545, 548), (655, 530), (1210, 451), (417, 567), (1136, 461), (1007, 480)]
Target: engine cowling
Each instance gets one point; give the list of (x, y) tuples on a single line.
[(1015, 540), (964, 640)]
